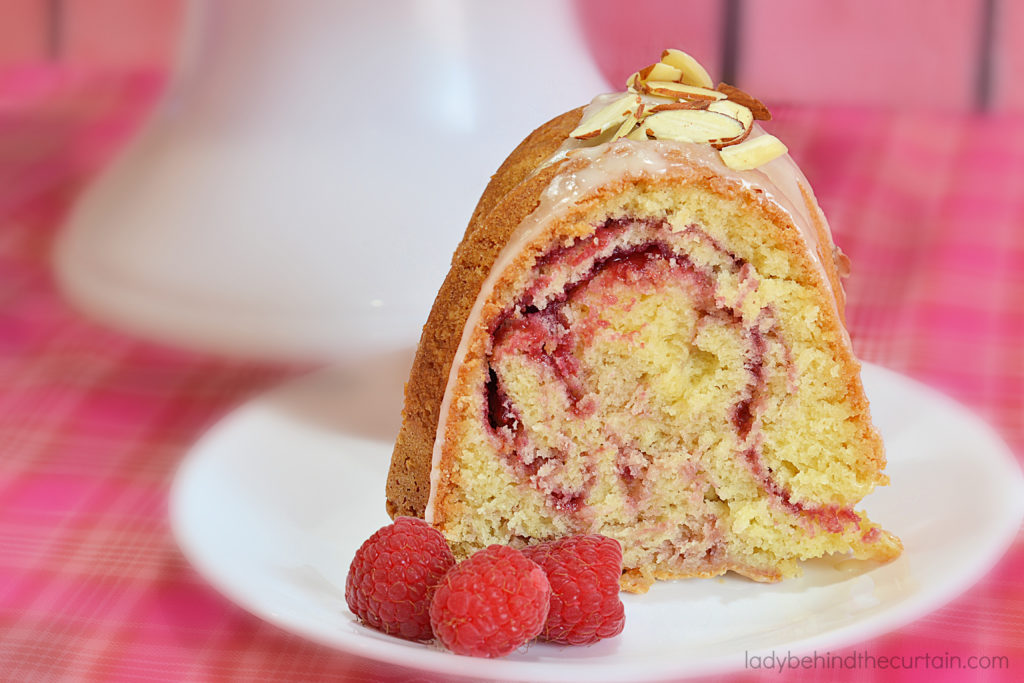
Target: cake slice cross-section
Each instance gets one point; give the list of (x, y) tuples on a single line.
[(642, 336)]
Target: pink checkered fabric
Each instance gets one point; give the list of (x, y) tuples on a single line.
[(93, 423)]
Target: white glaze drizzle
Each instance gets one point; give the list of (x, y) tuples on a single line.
[(779, 181)]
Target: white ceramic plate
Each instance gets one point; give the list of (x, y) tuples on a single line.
[(271, 505)]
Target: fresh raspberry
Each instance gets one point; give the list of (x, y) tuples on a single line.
[(394, 575), (491, 603), (584, 574)]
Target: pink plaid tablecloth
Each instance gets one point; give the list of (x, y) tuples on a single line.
[(93, 423)]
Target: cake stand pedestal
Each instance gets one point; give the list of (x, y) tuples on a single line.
[(299, 190)]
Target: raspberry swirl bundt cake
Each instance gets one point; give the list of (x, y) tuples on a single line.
[(642, 336)]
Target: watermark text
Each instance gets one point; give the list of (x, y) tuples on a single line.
[(862, 659)]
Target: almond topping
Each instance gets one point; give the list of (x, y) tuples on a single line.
[(675, 99), (683, 104), (753, 153), (738, 112), (605, 118), (755, 105), (692, 72), (735, 110), (722, 144), (681, 90), (626, 127), (692, 125), (638, 134), (660, 71)]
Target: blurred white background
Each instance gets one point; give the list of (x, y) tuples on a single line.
[(301, 188)]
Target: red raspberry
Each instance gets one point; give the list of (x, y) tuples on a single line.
[(491, 603), (394, 575), (584, 574)]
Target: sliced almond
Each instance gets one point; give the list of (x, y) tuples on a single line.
[(733, 109), (738, 112), (722, 144), (692, 72), (638, 134), (753, 153), (626, 127), (681, 90), (755, 105), (633, 81), (660, 71), (606, 118), (683, 104), (692, 125)]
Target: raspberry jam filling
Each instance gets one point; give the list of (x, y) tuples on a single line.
[(831, 518), (501, 414), (537, 329), (743, 413)]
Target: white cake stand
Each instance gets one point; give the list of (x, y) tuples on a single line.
[(301, 187)]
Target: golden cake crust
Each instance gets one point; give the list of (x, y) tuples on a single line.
[(496, 216), (512, 194)]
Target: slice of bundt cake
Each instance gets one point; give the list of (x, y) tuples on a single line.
[(642, 336)]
